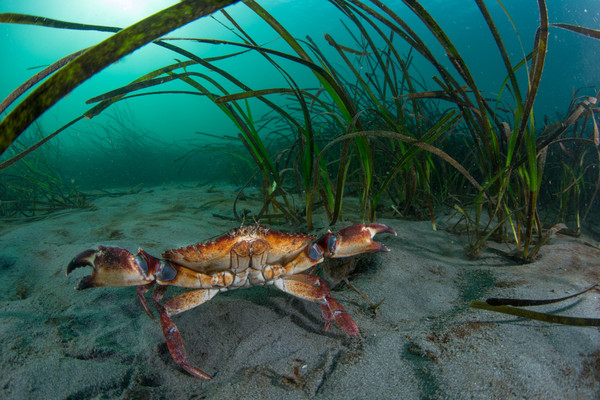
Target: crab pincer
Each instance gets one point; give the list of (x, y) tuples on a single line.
[(353, 240), (112, 266)]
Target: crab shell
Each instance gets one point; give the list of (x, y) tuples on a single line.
[(237, 250)]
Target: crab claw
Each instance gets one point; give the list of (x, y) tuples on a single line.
[(353, 240), (113, 266)]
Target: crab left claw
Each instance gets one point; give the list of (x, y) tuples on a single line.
[(113, 266)]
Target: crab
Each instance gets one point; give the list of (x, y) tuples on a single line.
[(247, 256)]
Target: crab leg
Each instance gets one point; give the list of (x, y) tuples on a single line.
[(188, 300), (141, 291), (174, 306), (310, 287), (175, 344)]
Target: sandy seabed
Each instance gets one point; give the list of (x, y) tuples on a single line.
[(424, 342)]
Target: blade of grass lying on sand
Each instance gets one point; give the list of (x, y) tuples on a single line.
[(495, 301), (508, 306), (538, 316)]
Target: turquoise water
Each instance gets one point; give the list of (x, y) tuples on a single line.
[(94, 153)]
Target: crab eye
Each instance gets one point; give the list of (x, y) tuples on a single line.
[(314, 252), (166, 272), (142, 264), (331, 244)]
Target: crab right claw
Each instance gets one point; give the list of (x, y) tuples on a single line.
[(353, 240), (113, 266)]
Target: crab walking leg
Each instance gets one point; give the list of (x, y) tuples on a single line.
[(174, 306), (310, 287), (188, 300), (141, 291)]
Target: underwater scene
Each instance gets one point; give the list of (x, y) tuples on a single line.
[(278, 199)]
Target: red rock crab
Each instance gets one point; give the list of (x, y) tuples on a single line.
[(246, 256)]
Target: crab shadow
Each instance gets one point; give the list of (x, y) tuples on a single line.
[(251, 331)]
